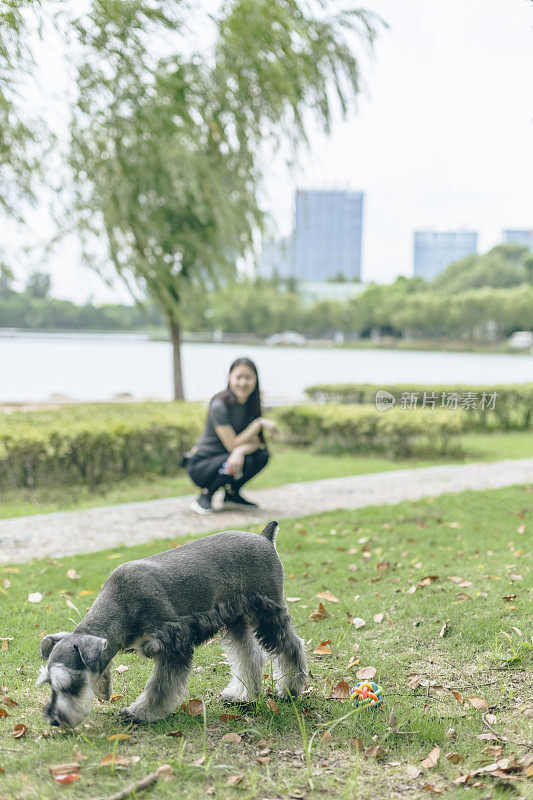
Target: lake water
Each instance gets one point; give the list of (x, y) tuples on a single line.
[(98, 367)]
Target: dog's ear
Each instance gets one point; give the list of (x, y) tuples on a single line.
[(90, 649), (49, 641)]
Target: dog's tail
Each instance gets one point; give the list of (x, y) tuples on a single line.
[(270, 531)]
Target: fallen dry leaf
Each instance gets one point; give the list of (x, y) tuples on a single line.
[(272, 705), (429, 788), (67, 778), (165, 772), (376, 751), (64, 769), (263, 759), (116, 760), (72, 574), (494, 750), (455, 758), (326, 736), (322, 650), (328, 596), (115, 698), (233, 780), (263, 743), (413, 681), (431, 759), (412, 772), (445, 628), (319, 614), (71, 605), (478, 702), (227, 717), (3, 713), (378, 617), (8, 702), (458, 696), (195, 708), (341, 691), (175, 734), (358, 622), (121, 668), (357, 744), (19, 730), (119, 737), (231, 738), (84, 592), (35, 597), (366, 673), (488, 737), (353, 662)]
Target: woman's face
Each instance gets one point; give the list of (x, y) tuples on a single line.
[(242, 382)]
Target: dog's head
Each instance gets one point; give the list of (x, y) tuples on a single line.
[(74, 670)]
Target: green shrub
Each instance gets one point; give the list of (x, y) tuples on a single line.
[(95, 443), (364, 429), (513, 407)]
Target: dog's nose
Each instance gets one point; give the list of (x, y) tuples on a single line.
[(55, 723)]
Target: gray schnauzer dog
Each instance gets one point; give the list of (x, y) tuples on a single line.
[(162, 607)]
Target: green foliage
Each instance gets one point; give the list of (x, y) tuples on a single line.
[(95, 443), (39, 285), (513, 406), (501, 267), (364, 429)]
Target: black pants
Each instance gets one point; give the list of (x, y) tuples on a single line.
[(203, 470)]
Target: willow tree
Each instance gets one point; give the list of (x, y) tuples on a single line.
[(166, 149)]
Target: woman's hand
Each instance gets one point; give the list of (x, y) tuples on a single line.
[(268, 425), (235, 461)]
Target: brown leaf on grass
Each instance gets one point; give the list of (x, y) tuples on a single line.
[(84, 592), (165, 772), (378, 617), (353, 662), (493, 750), (263, 743), (115, 698), (328, 596), (119, 737), (3, 713), (458, 696), (478, 702), (488, 737), (233, 780), (455, 758), (341, 691), (319, 614), (455, 579), (272, 705), (393, 722), (263, 759), (376, 751), (71, 605), (195, 708), (326, 736), (322, 650), (357, 744), (72, 574), (431, 759), (231, 738), (358, 622), (461, 597), (429, 788), (413, 681), (8, 702), (366, 673), (445, 628), (121, 668), (64, 769), (175, 734), (66, 778), (117, 760), (77, 756), (19, 731), (228, 717)]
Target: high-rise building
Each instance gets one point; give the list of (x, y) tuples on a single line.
[(519, 237), (326, 240), (434, 250), (327, 235)]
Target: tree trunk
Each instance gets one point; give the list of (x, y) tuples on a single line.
[(176, 360)]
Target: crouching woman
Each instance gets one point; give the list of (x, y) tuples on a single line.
[(232, 449)]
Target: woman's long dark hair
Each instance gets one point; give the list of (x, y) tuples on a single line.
[(253, 403)]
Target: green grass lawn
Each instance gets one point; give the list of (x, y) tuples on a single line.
[(286, 466), (444, 589)]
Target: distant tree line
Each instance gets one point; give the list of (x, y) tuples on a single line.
[(478, 299)]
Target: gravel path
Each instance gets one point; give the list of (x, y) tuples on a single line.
[(66, 533)]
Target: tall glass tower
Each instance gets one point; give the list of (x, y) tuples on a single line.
[(434, 250)]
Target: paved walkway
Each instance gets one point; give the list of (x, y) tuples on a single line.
[(66, 533)]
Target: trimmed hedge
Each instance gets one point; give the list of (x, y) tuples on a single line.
[(364, 429), (95, 443), (513, 408)]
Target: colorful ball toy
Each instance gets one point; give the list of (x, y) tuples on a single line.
[(367, 694)]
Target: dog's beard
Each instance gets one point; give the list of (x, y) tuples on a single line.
[(72, 696)]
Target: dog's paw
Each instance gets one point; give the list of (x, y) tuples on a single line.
[(232, 694)]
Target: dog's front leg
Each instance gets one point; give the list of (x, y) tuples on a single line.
[(165, 690), (104, 687)]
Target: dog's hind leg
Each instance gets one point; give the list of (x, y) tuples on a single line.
[(246, 659), (165, 690), (279, 639)]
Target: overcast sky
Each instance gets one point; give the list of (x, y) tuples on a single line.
[(443, 137)]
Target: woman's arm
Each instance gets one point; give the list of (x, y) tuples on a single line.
[(249, 436)]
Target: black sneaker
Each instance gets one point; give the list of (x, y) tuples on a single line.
[(236, 500), (202, 504)]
